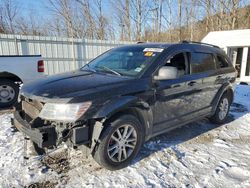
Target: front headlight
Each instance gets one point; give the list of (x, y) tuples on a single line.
[(64, 112)]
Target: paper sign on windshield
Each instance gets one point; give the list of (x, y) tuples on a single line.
[(153, 50), (148, 54)]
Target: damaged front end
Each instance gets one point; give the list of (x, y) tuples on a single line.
[(47, 133)]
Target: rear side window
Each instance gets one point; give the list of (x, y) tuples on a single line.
[(222, 62), (201, 62)]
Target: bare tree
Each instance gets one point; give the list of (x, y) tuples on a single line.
[(149, 20), (234, 15), (123, 17), (127, 20), (89, 22), (157, 18), (180, 18), (209, 21), (9, 13), (31, 25), (138, 18), (191, 8), (101, 21), (169, 20), (2, 21), (64, 10), (160, 15)]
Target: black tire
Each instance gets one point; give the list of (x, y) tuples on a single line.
[(216, 118), (101, 154), (13, 91)]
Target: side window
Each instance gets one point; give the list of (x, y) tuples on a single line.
[(221, 62), (201, 62), (180, 62)]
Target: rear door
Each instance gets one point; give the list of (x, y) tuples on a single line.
[(203, 68)]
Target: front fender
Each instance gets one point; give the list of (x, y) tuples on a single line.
[(136, 106), (113, 106)]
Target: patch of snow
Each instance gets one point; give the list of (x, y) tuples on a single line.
[(242, 95), (199, 154), (14, 172)]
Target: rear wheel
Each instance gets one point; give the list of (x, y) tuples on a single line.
[(8, 93), (222, 110), (119, 143)]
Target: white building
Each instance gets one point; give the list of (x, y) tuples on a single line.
[(236, 43)]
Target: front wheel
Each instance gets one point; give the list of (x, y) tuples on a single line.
[(222, 110), (119, 143)]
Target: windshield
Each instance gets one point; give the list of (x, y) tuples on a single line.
[(127, 61)]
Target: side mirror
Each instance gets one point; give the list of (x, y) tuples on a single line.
[(166, 73)]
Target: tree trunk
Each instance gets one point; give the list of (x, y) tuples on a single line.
[(127, 20), (180, 18)]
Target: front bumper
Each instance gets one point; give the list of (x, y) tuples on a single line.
[(45, 136)]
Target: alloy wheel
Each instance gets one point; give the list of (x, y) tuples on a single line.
[(223, 108), (122, 143)]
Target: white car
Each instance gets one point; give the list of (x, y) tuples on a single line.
[(16, 70)]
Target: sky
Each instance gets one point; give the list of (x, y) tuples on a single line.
[(41, 6), (33, 5)]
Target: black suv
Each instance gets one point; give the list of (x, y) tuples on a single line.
[(126, 96)]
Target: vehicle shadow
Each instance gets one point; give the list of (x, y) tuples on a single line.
[(185, 133)]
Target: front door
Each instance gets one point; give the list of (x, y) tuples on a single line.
[(175, 98), (189, 96)]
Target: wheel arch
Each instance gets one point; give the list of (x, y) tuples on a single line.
[(230, 92), (226, 88), (144, 116), (126, 105), (10, 76)]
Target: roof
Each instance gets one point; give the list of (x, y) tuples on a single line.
[(185, 45), (154, 45), (232, 38)]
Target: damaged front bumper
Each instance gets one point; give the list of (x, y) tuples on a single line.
[(44, 136)]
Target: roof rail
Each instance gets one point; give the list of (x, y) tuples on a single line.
[(139, 42), (202, 43)]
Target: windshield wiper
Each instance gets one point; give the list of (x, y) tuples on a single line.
[(109, 70)]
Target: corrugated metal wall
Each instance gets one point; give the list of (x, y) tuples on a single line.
[(60, 54)]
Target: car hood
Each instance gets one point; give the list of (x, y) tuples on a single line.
[(65, 87)]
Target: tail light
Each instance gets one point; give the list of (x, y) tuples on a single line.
[(40, 66)]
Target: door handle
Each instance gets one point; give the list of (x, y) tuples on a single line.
[(192, 83)]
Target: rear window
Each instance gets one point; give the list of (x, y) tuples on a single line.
[(202, 62), (221, 62)]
